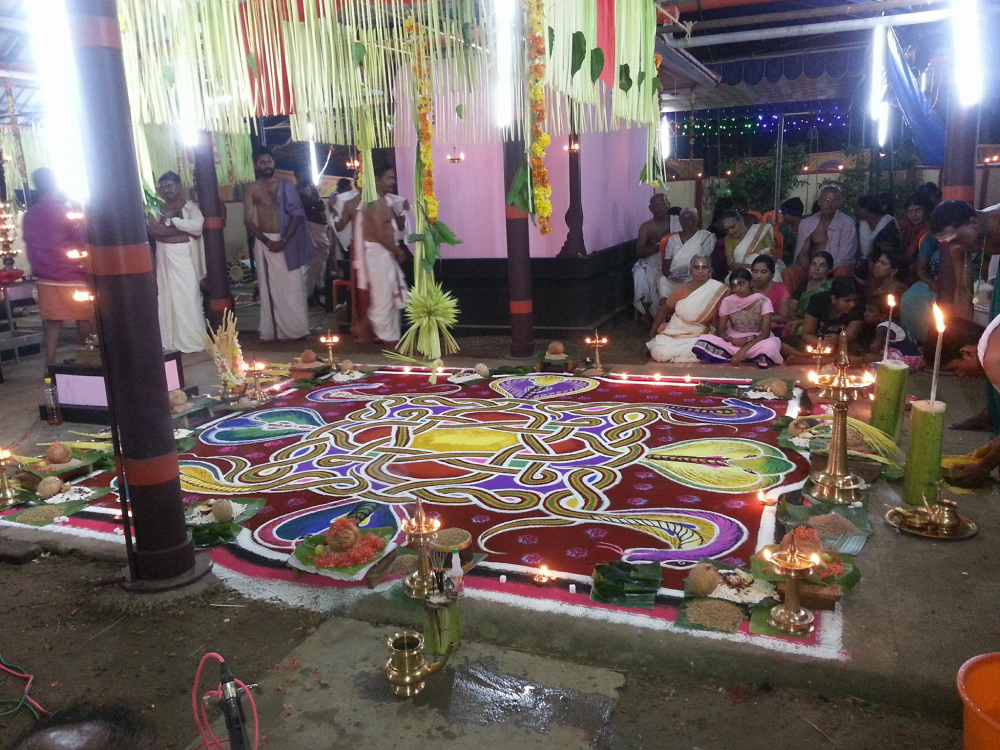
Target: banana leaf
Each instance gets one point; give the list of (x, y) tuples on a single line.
[(625, 584), (41, 515), (709, 388), (763, 570), (305, 554)]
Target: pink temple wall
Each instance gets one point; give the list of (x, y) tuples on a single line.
[(471, 193)]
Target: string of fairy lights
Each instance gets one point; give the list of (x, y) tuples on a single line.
[(681, 123)]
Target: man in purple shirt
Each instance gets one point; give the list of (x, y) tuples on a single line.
[(828, 230), (49, 235)]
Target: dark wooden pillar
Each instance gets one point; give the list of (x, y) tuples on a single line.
[(522, 343), (125, 288), (206, 181), (574, 247), (958, 182), (958, 178)]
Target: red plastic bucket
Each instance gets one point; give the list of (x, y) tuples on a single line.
[(979, 685)]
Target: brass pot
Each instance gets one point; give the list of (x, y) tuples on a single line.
[(406, 669), (944, 516)]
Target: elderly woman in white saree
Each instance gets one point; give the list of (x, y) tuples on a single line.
[(744, 242), (687, 314), (677, 250)]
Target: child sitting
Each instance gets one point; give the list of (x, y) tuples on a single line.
[(745, 327), (902, 347)]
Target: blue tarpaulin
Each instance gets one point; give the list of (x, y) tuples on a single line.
[(925, 125)]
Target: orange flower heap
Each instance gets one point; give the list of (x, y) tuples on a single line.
[(425, 116), (535, 12)]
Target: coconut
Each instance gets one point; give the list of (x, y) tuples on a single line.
[(482, 370), (347, 366), (49, 487), (307, 357), (779, 388), (797, 426), (343, 538), (27, 481), (222, 509), (556, 350), (703, 579), (177, 398), (58, 453)]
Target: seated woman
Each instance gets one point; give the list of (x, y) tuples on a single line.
[(889, 275), (744, 241), (686, 314), (762, 271), (828, 314), (820, 278), (901, 346), (677, 249), (877, 228), (744, 328), (919, 207)]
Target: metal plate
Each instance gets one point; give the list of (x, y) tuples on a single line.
[(966, 528)]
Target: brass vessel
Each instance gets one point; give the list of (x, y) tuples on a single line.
[(790, 616), (406, 669)]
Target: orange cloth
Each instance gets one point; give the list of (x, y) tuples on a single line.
[(55, 301)]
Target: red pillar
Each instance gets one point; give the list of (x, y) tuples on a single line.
[(126, 300), (522, 344), (206, 181)]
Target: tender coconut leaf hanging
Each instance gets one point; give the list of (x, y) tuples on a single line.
[(579, 52)]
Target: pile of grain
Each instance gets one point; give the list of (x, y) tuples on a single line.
[(714, 614), (448, 539), (832, 524)]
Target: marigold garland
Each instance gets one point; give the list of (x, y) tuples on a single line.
[(425, 116), (540, 140)]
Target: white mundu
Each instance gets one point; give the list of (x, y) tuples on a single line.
[(283, 311), (180, 268)]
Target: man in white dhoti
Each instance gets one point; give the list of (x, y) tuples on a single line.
[(273, 214), (180, 267), (646, 272), (343, 204), (319, 233), (678, 248), (376, 259)]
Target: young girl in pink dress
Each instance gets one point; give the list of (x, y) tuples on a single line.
[(745, 327)]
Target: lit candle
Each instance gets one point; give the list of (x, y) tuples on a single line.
[(656, 376), (687, 378), (888, 330), (624, 376), (407, 369), (939, 318)]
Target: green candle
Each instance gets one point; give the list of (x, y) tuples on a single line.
[(923, 453), (890, 397)]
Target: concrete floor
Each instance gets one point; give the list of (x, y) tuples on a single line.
[(922, 609)]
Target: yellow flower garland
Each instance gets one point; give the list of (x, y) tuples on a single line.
[(425, 117), (540, 140)]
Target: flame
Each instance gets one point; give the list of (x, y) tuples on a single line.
[(4, 455), (407, 369), (258, 366), (767, 554), (813, 378), (624, 376), (82, 296), (809, 349), (760, 495), (892, 301), (440, 369), (656, 376), (815, 558), (74, 215), (687, 378), (76, 254), (938, 319)]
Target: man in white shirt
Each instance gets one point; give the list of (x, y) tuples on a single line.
[(180, 267), (343, 205)]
